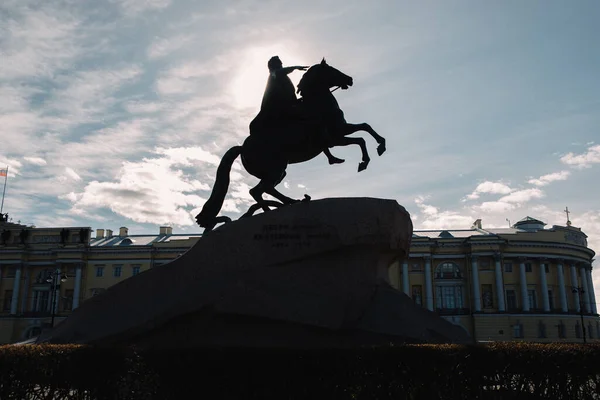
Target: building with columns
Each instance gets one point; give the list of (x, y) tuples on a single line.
[(46, 272), (520, 283)]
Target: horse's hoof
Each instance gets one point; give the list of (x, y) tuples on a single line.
[(362, 166), (336, 160), (381, 149)]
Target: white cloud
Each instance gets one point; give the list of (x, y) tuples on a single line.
[(35, 160), (434, 219), (156, 190), (72, 174), (585, 160), (488, 187), (495, 207), (546, 179), (522, 196)]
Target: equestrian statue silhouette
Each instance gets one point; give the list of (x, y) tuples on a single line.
[(289, 131)]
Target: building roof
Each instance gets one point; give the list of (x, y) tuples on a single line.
[(139, 240)]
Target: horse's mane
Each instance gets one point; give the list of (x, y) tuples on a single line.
[(307, 78)]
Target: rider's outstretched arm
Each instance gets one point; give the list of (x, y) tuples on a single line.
[(287, 70)]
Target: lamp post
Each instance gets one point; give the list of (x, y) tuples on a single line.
[(579, 290), (54, 278)]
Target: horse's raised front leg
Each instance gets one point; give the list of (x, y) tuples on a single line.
[(351, 128), (345, 141)]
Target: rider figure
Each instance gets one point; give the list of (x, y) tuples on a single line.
[(280, 102)]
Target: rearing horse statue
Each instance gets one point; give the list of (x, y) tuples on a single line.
[(266, 156)]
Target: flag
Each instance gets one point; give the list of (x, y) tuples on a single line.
[(3, 172)]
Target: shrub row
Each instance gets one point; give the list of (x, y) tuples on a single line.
[(496, 371)]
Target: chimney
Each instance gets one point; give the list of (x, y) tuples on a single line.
[(109, 233), (123, 231), (99, 233), (166, 230), (477, 223)]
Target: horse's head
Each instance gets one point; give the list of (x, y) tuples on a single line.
[(323, 76)]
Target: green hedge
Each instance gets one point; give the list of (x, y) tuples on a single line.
[(497, 371)]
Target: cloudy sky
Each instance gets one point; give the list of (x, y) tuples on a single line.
[(115, 113)]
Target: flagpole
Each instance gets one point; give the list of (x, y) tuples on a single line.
[(4, 191)]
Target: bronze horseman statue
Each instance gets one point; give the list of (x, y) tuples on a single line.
[(288, 130)]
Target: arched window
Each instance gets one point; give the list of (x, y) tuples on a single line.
[(448, 270)]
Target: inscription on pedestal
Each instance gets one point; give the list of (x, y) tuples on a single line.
[(292, 236)]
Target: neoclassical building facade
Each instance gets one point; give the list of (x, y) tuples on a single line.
[(520, 283)]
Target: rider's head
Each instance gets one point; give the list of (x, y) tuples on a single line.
[(274, 63)]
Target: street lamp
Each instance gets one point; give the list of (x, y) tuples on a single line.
[(54, 278), (579, 290)]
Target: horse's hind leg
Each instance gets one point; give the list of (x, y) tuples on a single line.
[(257, 191)]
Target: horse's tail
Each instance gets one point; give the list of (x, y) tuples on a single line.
[(207, 217)]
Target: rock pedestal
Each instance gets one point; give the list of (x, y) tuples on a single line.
[(310, 274)]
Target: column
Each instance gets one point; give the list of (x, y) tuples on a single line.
[(405, 282), (586, 291), (56, 293), (499, 283), (524, 294), (428, 288), (475, 281), (77, 287), (562, 293), (575, 284), (25, 293), (15, 293), (592, 292), (544, 284)]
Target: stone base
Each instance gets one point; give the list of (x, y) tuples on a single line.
[(310, 274)]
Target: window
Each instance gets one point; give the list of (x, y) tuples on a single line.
[(541, 330), (532, 299), (511, 300), (415, 267), (449, 297), (41, 301), (117, 270), (546, 268), (528, 267), (68, 300), (135, 269), (518, 330), (33, 332), (417, 294), (447, 270), (562, 330), (598, 329), (551, 299), (487, 296), (99, 271), (590, 330), (7, 300), (508, 267), (577, 330)]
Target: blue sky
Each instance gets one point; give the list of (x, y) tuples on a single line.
[(115, 113)]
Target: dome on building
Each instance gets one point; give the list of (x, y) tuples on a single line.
[(529, 224)]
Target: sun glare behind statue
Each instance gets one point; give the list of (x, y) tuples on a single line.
[(249, 83)]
